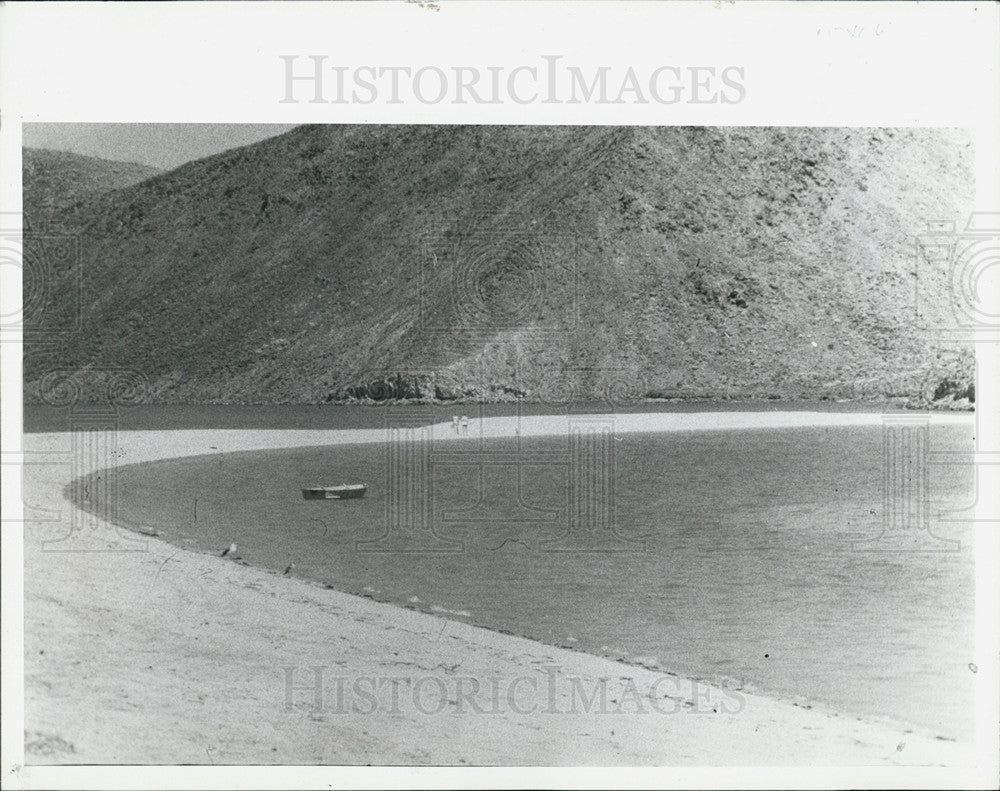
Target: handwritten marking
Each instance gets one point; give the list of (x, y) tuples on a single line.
[(853, 31), (430, 6)]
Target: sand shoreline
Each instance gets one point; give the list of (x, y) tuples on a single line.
[(201, 651)]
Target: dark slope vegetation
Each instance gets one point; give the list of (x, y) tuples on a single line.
[(498, 262), (55, 180)]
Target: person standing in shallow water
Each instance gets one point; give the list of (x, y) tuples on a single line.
[(465, 425)]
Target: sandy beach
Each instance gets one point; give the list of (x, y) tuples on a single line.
[(162, 655)]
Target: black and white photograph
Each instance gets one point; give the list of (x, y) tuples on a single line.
[(383, 442)]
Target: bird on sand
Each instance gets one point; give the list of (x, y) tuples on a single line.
[(291, 566), (230, 551)]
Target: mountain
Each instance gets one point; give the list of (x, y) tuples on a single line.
[(544, 263), (54, 180)]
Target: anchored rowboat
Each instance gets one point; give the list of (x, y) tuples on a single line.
[(346, 491)]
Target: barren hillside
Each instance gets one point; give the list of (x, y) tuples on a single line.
[(500, 262), (54, 180)]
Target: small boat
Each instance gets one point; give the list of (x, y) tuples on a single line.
[(345, 491)]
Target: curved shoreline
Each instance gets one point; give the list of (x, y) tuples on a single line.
[(73, 598)]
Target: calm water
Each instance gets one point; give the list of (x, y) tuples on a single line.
[(748, 574)]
